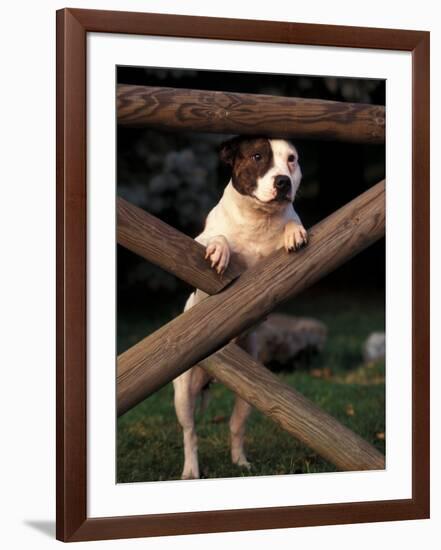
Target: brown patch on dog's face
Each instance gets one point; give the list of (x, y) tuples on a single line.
[(250, 159)]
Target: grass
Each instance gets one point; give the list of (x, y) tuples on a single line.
[(149, 440)]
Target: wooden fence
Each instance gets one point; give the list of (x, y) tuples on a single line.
[(239, 300), (234, 113)]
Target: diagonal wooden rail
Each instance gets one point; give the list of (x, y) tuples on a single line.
[(158, 242), (209, 325), (239, 113), (296, 414)]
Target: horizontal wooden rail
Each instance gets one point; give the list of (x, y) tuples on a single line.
[(200, 331), (168, 248), (237, 113), (237, 370)]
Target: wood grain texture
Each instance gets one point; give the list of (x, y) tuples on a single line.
[(238, 113), (195, 334), (296, 414), (158, 242)]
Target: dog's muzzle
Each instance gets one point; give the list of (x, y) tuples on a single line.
[(283, 186)]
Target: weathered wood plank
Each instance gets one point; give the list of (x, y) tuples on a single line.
[(248, 378), (158, 242), (200, 331), (235, 113)]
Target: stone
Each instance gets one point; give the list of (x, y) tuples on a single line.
[(282, 337), (374, 347)]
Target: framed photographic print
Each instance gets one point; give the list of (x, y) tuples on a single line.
[(242, 227)]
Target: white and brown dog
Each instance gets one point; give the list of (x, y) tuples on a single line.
[(254, 217)]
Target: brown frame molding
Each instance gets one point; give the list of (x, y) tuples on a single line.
[(71, 502)]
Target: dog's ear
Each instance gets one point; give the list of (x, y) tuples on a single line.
[(228, 150)]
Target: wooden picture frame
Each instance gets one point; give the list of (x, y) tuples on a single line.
[(73, 524)]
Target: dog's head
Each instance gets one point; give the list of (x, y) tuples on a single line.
[(265, 169)]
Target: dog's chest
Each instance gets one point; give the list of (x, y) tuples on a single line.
[(251, 247), (252, 240)]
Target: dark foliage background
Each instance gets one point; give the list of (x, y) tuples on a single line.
[(178, 177)]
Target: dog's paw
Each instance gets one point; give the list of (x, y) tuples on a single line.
[(242, 462), (190, 472), (189, 476), (218, 253), (295, 236)]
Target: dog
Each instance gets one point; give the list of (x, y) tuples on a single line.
[(254, 217)]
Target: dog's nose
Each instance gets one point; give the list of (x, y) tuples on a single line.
[(282, 183)]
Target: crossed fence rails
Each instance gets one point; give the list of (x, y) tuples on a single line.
[(240, 299)]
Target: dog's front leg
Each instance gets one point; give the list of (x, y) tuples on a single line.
[(295, 236), (218, 253)]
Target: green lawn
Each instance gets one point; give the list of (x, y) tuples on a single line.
[(149, 445)]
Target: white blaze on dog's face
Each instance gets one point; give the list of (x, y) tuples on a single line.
[(267, 170)]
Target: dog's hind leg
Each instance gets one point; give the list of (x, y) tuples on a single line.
[(238, 420), (187, 386), (241, 409), (184, 405)]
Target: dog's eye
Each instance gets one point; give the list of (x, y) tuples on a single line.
[(257, 156), (291, 158)]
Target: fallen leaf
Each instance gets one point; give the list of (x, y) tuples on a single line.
[(327, 373), (350, 410), (316, 373)]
